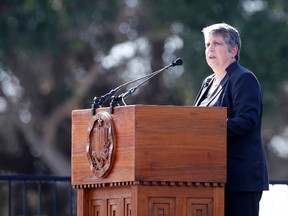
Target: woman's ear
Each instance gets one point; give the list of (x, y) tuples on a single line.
[(234, 51)]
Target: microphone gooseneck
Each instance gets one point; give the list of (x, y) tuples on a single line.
[(98, 101)]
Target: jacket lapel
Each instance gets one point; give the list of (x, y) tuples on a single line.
[(203, 90), (219, 89)]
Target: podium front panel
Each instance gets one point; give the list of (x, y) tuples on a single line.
[(156, 144)]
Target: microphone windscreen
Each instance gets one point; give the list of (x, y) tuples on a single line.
[(177, 62)]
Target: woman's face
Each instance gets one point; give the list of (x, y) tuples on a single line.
[(218, 56)]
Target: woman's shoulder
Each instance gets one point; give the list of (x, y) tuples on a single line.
[(242, 72), (244, 76)]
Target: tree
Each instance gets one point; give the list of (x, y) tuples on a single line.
[(56, 55), (47, 69)]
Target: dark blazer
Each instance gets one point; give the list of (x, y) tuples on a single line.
[(241, 93)]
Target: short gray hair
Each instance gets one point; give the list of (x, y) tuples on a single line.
[(229, 33)]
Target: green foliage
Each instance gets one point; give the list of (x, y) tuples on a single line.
[(196, 14), (35, 25), (265, 52), (55, 44)]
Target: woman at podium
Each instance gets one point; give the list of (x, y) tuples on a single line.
[(236, 88)]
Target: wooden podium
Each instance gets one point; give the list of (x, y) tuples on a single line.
[(168, 161)]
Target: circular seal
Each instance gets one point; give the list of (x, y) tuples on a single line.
[(101, 144)]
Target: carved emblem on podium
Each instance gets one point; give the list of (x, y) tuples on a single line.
[(101, 144)]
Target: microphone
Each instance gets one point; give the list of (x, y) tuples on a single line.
[(177, 62), (98, 101), (174, 63), (124, 95)]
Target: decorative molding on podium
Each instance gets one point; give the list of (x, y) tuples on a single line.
[(111, 206), (200, 206), (153, 200), (157, 206), (162, 206), (130, 183)]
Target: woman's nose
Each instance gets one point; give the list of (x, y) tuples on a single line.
[(210, 48)]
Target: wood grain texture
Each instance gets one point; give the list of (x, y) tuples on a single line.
[(179, 201), (155, 201), (157, 143), (169, 160)]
